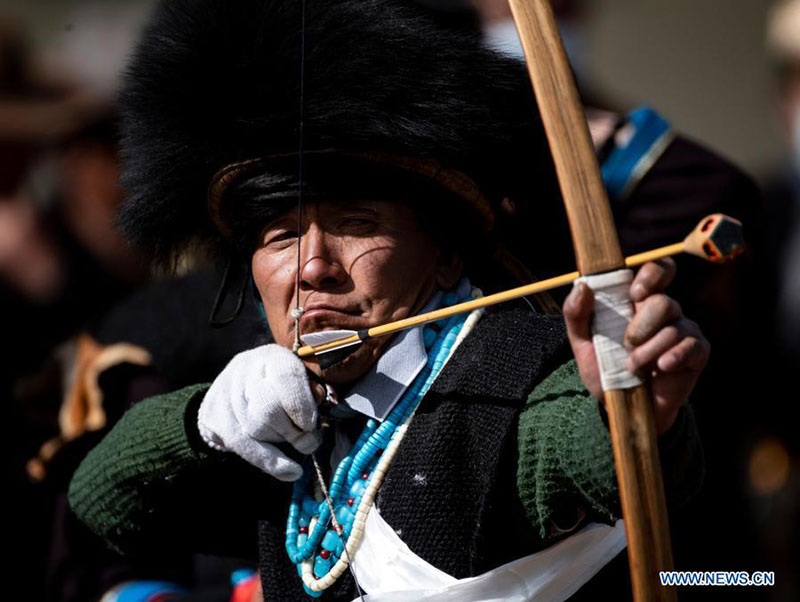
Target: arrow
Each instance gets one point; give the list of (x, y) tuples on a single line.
[(717, 238)]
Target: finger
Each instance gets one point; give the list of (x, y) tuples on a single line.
[(270, 459), (269, 422), (691, 354), (319, 392), (298, 402), (304, 442), (578, 308), (285, 404), (653, 277), (653, 314), (646, 355), (290, 385)]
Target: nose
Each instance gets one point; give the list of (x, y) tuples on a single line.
[(320, 268)]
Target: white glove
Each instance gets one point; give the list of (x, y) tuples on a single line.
[(262, 397)]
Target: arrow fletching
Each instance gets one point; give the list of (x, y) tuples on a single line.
[(317, 339), (332, 346)]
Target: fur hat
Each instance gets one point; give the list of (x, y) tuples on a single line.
[(214, 84)]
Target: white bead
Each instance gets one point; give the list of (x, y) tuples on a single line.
[(297, 312)]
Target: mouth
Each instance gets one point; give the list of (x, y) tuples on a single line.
[(322, 316)]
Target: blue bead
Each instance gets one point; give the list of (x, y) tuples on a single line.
[(312, 593), (303, 522), (357, 488), (319, 531), (344, 515), (322, 521), (310, 506), (354, 476), (373, 445), (344, 466), (299, 569), (302, 539), (428, 336), (330, 540), (321, 567)]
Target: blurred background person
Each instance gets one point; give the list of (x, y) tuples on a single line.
[(61, 262), (774, 461), (783, 38), (81, 343)]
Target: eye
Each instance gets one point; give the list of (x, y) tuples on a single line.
[(279, 236), (358, 223)]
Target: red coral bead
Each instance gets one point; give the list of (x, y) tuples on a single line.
[(350, 501), (365, 476), (325, 554), (303, 529)]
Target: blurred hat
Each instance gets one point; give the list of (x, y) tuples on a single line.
[(40, 105), (783, 31), (53, 89)]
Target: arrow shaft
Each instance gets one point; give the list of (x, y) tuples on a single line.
[(509, 295)]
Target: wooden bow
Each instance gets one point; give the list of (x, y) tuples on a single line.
[(597, 250)]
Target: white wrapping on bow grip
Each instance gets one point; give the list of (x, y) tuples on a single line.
[(612, 312)]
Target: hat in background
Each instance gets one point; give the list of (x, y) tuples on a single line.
[(783, 31)]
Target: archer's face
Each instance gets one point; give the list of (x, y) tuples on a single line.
[(361, 264)]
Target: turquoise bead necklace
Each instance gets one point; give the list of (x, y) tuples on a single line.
[(311, 531)]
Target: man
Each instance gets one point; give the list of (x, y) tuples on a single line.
[(388, 187)]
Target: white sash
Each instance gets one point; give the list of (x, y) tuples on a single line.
[(388, 571)]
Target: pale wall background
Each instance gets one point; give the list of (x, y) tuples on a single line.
[(700, 62)]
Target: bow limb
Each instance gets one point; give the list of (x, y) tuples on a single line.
[(597, 250)]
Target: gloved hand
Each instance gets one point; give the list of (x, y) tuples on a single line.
[(262, 397)]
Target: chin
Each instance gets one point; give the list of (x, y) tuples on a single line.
[(356, 365)]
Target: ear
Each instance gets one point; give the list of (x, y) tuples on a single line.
[(449, 269)]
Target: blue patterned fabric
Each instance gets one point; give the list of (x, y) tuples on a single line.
[(622, 169)]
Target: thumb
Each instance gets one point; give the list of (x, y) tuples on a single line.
[(578, 308)]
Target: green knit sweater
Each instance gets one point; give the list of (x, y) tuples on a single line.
[(152, 482)]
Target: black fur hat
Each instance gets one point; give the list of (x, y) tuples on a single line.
[(217, 83)]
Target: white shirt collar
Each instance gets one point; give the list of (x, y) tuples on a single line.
[(381, 388)]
